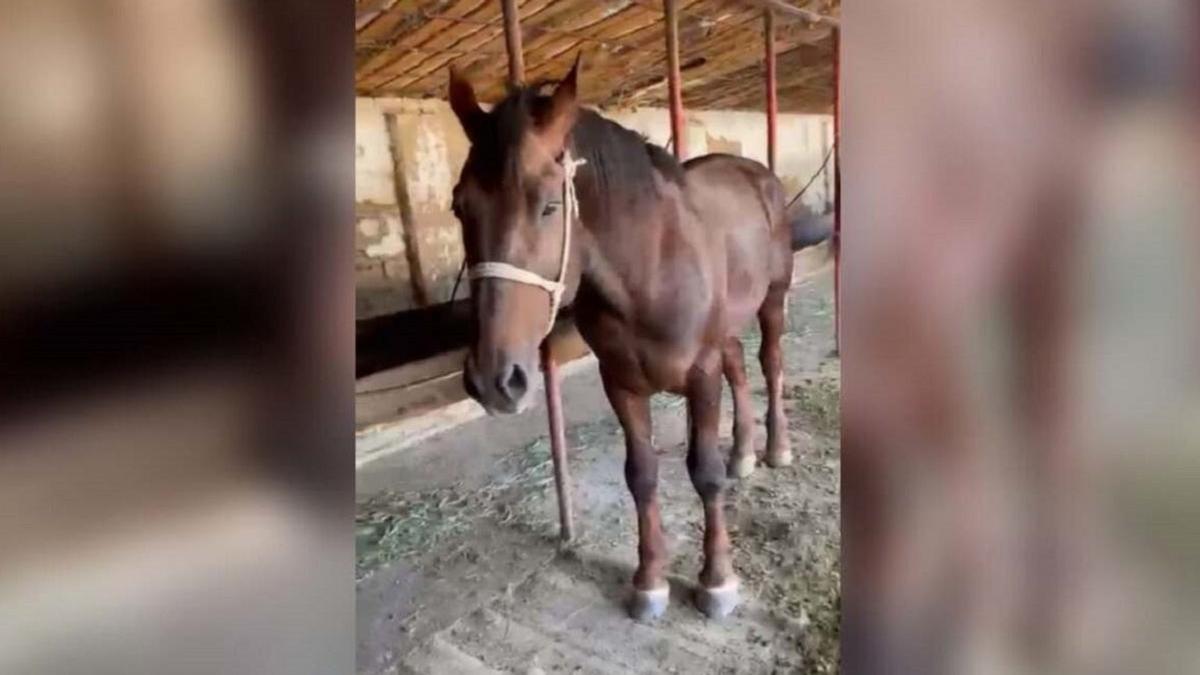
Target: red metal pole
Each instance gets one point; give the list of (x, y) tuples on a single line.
[(558, 437), (837, 190), (678, 134), (772, 86), (512, 40), (558, 443)]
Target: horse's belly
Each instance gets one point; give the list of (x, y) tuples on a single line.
[(747, 277)]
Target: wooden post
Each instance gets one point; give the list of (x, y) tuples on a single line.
[(558, 436), (512, 40), (408, 222), (772, 95), (678, 126), (558, 443)]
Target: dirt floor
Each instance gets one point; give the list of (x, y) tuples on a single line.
[(460, 570)]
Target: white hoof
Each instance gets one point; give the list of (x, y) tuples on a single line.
[(717, 603), (741, 466), (649, 605), (779, 459)]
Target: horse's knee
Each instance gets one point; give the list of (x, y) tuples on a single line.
[(707, 470)]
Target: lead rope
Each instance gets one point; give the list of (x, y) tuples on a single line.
[(819, 171), (501, 270)]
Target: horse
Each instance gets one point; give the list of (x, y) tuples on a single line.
[(665, 264)]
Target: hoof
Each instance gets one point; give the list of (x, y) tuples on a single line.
[(741, 466), (717, 603), (779, 459), (649, 605)]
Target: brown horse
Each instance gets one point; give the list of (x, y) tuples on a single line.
[(665, 265)]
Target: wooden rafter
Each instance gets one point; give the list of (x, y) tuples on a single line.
[(404, 48)]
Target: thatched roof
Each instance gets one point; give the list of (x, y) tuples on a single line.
[(404, 47)]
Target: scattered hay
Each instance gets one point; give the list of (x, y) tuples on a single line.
[(817, 402), (788, 543), (404, 525), (407, 525), (787, 548)]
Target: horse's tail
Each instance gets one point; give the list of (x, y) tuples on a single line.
[(809, 228)]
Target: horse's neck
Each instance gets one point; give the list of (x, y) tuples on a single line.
[(624, 241), (632, 211)]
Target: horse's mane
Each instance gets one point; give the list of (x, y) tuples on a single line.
[(625, 161), (621, 159)]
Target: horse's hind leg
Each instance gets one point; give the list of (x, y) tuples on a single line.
[(741, 460), (718, 594), (650, 590), (771, 318)]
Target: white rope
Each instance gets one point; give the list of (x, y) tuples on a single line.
[(503, 270), (499, 270)]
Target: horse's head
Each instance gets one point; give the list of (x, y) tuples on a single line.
[(509, 199)]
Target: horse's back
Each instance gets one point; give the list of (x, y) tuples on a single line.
[(735, 192), (737, 173), (746, 200)]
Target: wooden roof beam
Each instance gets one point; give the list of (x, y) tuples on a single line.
[(786, 9)]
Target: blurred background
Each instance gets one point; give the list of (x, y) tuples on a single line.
[(1021, 363), (1021, 382), (175, 336)]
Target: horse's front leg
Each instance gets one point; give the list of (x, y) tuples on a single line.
[(650, 590), (718, 593)]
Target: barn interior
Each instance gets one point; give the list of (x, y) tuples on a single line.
[(460, 559)]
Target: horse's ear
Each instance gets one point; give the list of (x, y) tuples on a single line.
[(564, 107), (465, 105)]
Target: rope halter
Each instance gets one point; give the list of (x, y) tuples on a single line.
[(503, 270)]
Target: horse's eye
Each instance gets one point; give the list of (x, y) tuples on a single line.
[(549, 209)]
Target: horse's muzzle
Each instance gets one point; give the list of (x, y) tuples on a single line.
[(504, 389)]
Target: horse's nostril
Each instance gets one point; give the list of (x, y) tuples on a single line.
[(513, 383)]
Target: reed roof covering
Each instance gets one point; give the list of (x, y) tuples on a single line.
[(404, 48)]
